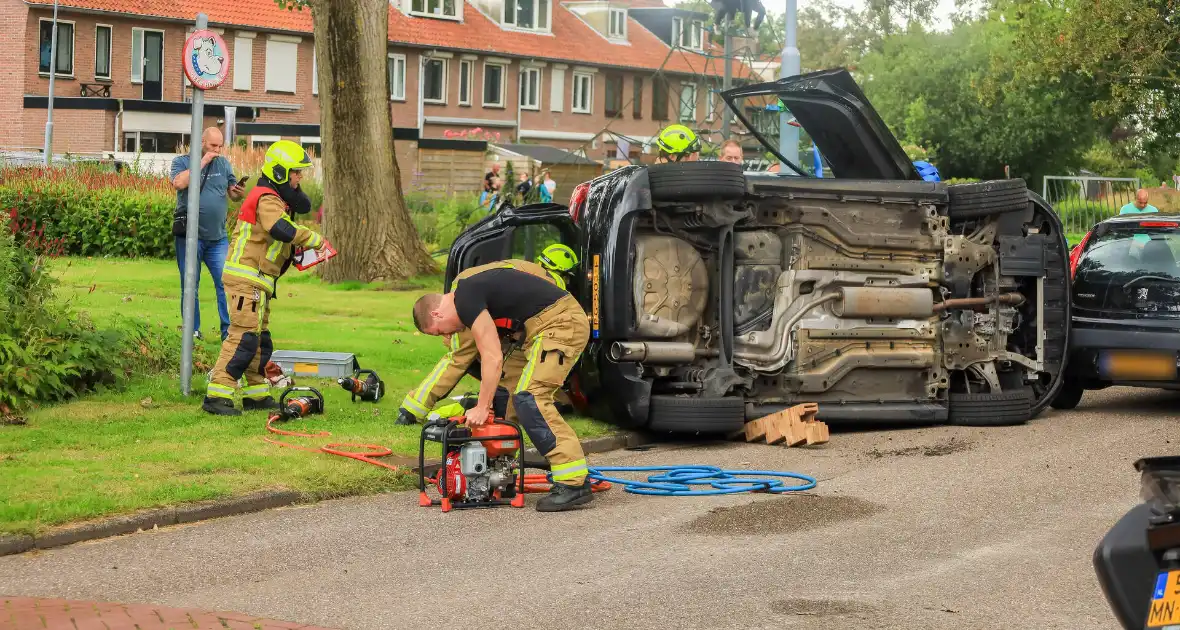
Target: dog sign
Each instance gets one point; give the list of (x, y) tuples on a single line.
[(205, 59)]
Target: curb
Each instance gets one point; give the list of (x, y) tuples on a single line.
[(254, 502)]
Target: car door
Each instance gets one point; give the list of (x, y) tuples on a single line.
[(514, 233)]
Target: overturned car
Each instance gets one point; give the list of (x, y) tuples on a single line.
[(718, 296)]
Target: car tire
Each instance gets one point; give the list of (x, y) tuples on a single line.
[(990, 410), (683, 414), (985, 199), (1069, 395), (696, 181)]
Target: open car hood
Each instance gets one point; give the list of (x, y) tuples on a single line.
[(829, 105)]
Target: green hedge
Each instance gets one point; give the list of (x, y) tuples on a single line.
[(90, 213)]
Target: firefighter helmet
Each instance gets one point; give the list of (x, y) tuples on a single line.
[(678, 140), (559, 258), (283, 157)]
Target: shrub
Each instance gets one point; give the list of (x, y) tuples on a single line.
[(50, 353), (440, 221), (90, 212)]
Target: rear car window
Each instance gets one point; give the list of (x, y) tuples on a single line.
[(1148, 248)]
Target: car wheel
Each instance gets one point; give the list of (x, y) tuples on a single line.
[(1069, 395), (990, 410), (984, 199), (682, 414), (696, 181)]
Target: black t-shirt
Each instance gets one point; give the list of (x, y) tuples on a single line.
[(487, 180), (506, 293)]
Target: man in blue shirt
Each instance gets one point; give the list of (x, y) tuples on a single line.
[(1140, 205), (217, 182)]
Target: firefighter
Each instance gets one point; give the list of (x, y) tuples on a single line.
[(260, 251), (556, 262), (556, 330), (677, 143)]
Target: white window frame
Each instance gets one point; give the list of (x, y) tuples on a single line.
[(681, 102), (396, 57), (274, 75), (535, 73), (73, 48), (137, 62), (503, 84), (445, 70), (536, 12), (315, 72), (696, 30), (469, 84), (458, 4), (110, 52), (617, 17), (710, 101), (587, 79), (264, 139), (244, 60), (677, 29)]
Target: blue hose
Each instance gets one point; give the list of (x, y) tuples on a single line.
[(678, 481)]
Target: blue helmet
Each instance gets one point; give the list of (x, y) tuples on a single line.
[(927, 171)]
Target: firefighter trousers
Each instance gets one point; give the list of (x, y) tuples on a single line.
[(247, 348), (554, 340)]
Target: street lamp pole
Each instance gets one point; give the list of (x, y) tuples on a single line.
[(788, 137), (52, 74), (728, 76)]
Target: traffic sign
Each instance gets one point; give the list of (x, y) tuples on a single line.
[(205, 59)]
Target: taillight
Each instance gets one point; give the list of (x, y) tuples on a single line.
[(578, 199), (1076, 254), (1158, 224)]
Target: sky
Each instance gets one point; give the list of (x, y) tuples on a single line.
[(942, 14)]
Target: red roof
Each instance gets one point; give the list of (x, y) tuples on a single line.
[(572, 39)]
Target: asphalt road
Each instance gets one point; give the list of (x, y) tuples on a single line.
[(909, 528)]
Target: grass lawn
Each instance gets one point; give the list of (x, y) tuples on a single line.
[(148, 446)]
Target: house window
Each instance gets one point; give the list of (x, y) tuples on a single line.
[(311, 144), (102, 52), (583, 93), (710, 101), (434, 89), (614, 95), (688, 102), (395, 66), (493, 85), (618, 23), (243, 62), (530, 88), (282, 63), (435, 8), (530, 14), (659, 98), (465, 82), (151, 142), (65, 48), (637, 101), (687, 36)]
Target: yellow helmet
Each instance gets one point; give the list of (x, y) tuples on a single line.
[(678, 140), (283, 157), (559, 258)]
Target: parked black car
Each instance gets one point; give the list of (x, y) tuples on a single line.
[(716, 295), (1126, 307)]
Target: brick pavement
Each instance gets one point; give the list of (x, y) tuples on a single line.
[(32, 613)]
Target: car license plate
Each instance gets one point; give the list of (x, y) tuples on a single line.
[(1165, 601), (1138, 365)]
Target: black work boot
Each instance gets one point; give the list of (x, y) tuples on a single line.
[(405, 418), (562, 497), (259, 404), (220, 407)]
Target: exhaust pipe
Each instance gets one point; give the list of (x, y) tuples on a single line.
[(653, 352)]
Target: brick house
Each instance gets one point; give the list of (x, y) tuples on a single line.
[(573, 74)]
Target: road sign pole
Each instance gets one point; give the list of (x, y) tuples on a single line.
[(206, 63), (788, 138), (52, 74)]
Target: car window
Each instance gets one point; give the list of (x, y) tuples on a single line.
[(530, 240), (1135, 249)]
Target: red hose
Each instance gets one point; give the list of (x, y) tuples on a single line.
[(535, 484)]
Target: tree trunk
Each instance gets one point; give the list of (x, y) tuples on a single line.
[(365, 215)]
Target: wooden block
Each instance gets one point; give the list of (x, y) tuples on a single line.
[(795, 431), (775, 432), (755, 430), (817, 432)]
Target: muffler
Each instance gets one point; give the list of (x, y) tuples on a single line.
[(652, 352), (865, 302)]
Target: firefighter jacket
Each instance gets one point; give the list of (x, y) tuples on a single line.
[(462, 351), (263, 240)]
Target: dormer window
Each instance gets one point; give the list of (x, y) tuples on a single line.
[(527, 14), (435, 8), (618, 24), (687, 34)]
